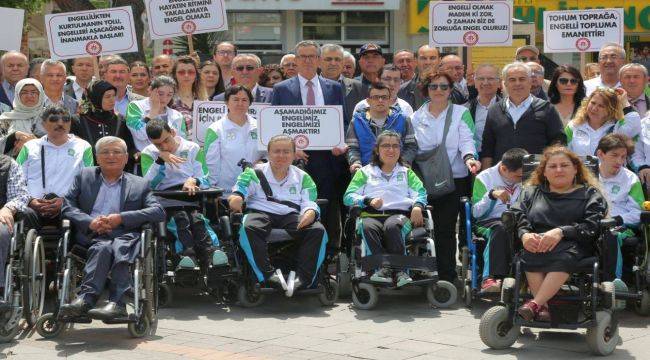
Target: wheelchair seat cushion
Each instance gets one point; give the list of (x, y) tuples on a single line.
[(419, 233), (278, 236)]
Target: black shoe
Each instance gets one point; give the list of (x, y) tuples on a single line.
[(77, 307), (110, 311)]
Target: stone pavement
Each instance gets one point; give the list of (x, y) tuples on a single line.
[(403, 326)]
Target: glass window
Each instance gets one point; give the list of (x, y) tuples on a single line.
[(350, 28)]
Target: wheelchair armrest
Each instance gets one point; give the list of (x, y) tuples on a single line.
[(211, 192), (65, 224), (645, 217), (236, 218), (322, 202), (606, 224), (146, 226), (428, 208)]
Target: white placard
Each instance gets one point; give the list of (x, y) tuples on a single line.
[(312, 127), (207, 113), (91, 33), (169, 18), (470, 23), (582, 30), (12, 28)]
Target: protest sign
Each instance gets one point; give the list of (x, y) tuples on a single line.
[(12, 28), (311, 127), (168, 18), (470, 23), (91, 33), (207, 113), (582, 30)]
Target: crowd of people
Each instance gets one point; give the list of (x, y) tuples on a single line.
[(424, 130)]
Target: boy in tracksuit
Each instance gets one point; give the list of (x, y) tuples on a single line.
[(173, 163), (495, 189), (624, 193)]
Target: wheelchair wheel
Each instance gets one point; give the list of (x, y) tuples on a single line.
[(366, 297), (442, 294), (249, 299), (330, 293), (343, 275), (34, 268), (165, 296), (609, 294), (467, 295), (48, 326), (495, 330), (464, 265), (140, 328), (507, 290), (642, 306), (603, 338), (7, 335)]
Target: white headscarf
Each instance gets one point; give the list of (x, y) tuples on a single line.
[(20, 111)]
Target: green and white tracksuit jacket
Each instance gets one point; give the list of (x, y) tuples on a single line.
[(138, 110), (61, 164), (583, 139), (484, 208), (162, 176)]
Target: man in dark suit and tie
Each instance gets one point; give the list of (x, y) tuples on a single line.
[(324, 166), (14, 68), (246, 70), (107, 208)]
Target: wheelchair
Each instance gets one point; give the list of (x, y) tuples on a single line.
[(420, 261), (208, 277), (70, 262)]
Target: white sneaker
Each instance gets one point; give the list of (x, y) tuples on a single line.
[(382, 276)]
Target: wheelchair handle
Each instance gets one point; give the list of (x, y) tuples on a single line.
[(243, 164), (608, 223), (464, 200), (207, 192)]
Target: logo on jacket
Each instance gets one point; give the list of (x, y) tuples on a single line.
[(184, 154), (231, 135), (616, 189), (71, 152), (400, 177), (253, 135), (292, 190)]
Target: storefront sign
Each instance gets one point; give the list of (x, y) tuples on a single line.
[(470, 23), (168, 18), (582, 30), (497, 56), (94, 32), (311, 127), (12, 28), (313, 5), (207, 113)]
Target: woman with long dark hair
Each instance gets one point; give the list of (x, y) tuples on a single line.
[(566, 91)]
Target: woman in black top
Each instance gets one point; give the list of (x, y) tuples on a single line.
[(557, 218), (97, 118)]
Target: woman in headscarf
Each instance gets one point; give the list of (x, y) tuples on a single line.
[(97, 118), (23, 123)]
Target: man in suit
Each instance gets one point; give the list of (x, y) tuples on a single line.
[(53, 79), (83, 70), (288, 64), (107, 208), (117, 74), (246, 70), (14, 68), (223, 55), (634, 78), (325, 167), (428, 58)]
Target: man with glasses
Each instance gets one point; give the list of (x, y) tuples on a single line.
[(15, 67), (371, 60), (391, 77), (162, 65), (117, 74), (331, 66), (50, 164), (246, 70), (611, 58), (530, 53), (537, 80), (223, 55), (289, 66), (427, 59), (53, 78), (371, 121), (486, 81)]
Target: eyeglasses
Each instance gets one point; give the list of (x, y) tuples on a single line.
[(29, 93), (307, 57), (537, 73), (158, 67), (527, 58), (111, 152), (186, 72), (443, 87), (390, 146), (379, 97), (290, 65), (391, 79), (612, 57), (56, 118), (565, 81), (225, 52), (486, 79), (241, 68)]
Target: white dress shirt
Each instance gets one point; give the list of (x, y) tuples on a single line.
[(517, 111), (318, 92)]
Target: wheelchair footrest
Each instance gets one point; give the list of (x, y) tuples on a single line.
[(83, 319), (121, 320), (399, 262)]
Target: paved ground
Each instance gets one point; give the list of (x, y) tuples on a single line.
[(403, 326)]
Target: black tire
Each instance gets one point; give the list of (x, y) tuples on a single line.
[(365, 297), (7, 335), (343, 277), (495, 330), (603, 338), (330, 293), (165, 295), (464, 265), (249, 299), (48, 326), (141, 328), (33, 288), (443, 294), (467, 295), (642, 306)]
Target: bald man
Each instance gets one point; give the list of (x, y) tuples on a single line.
[(453, 66), (427, 59)]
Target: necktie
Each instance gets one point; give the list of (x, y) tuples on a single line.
[(311, 96)]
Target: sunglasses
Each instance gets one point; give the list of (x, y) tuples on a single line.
[(442, 87), (565, 81), (56, 118), (527, 59), (247, 67)]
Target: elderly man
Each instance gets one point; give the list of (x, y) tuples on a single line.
[(428, 59), (611, 58), (453, 66), (487, 82), (634, 78), (331, 65), (14, 68), (405, 62), (107, 208), (162, 65), (520, 120), (53, 79), (117, 74), (13, 199), (371, 60), (537, 80), (349, 65), (289, 66), (50, 164), (83, 69), (246, 70), (530, 53), (223, 55)]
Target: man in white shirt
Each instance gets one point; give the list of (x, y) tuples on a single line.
[(83, 69), (611, 58), (117, 74), (486, 79)]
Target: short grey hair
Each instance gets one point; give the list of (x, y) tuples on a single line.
[(107, 140), (633, 66), (332, 47), (348, 55), (13, 52), (515, 65), (532, 64), (619, 48), (485, 65), (285, 57), (50, 63), (246, 56), (306, 43)]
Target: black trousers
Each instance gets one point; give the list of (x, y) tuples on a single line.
[(312, 242), (445, 216), (385, 235), (497, 256), (191, 229)]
